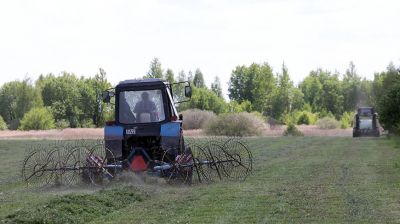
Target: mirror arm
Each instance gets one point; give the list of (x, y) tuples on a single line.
[(175, 83)]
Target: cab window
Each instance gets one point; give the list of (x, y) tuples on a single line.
[(144, 106)]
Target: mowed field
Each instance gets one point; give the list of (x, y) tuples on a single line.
[(295, 180)]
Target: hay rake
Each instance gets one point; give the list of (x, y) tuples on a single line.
[(70, 163)]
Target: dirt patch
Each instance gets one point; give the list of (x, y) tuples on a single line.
[(68, 133), (97, 133)]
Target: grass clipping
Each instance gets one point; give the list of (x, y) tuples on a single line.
[(79, 208), (237, 124)]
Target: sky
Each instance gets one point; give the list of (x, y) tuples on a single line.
[(122, 37)]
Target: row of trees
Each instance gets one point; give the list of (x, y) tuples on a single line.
[(320, 92), (76, 101), (69, 100)]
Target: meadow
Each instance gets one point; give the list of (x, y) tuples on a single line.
[(295, 180)]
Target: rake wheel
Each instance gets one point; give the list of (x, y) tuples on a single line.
[(34, 170), (95, 169), (181, 170)]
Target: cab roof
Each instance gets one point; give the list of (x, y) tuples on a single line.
[(365, 108), (141, 82)]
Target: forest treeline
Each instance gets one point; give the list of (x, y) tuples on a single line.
[(66, 100)]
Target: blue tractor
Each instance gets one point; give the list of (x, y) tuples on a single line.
[(146, 135)]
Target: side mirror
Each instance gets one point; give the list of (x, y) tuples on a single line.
[(188, 91), (181, 117), (107, 96)]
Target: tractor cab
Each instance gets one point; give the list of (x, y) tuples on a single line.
[(366, 122), (147, 126)]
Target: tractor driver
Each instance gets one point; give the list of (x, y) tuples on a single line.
[(146, 110)]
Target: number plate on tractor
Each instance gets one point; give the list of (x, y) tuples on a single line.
[(131, 131)]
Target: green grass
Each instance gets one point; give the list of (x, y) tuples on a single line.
[(79, 208), (295, 180)]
